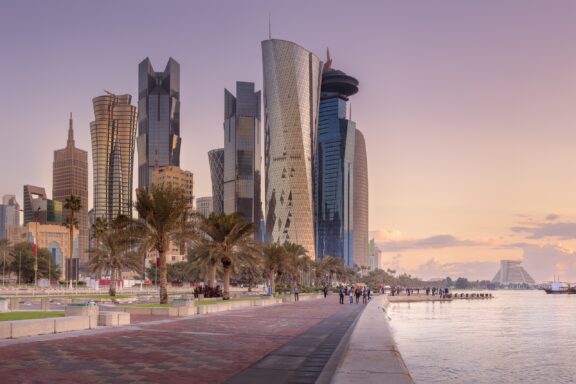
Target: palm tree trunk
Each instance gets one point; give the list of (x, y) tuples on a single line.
[(213, 276), (71, 250), (250, 281), (272, 285), (226, 277), (112, 290), (163, 278)]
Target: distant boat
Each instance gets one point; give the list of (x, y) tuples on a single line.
[(558, 288)]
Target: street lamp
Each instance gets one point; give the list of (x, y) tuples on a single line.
[(36, 213)]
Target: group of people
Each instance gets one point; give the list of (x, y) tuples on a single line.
[(355, 292), (443, 292)]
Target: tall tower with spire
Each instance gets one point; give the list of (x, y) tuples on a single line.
[(70, 176)]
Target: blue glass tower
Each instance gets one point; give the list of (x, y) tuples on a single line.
[(334, 168)]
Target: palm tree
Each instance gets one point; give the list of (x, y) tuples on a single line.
[(296, 255), (164, 217), (229, 241), (332, 265), (274, 256), (115, 251), (73, 205)]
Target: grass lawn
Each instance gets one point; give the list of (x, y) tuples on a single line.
[(77, 297), (10, 316)]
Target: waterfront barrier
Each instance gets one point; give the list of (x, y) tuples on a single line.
[(372, 355)]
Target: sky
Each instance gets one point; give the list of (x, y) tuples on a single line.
[(467, 108)]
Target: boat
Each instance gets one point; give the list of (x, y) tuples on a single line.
[(558, 288)]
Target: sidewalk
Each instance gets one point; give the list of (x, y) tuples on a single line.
[(208, 348)]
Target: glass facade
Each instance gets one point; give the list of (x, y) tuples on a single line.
[(341, 177), (158, 119), (360, 206), (291, 100), (334, 181), (113, 134), (216, 160), (242, 165), (9, 215)]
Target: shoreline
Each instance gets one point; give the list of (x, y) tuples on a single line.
[(372, 355)]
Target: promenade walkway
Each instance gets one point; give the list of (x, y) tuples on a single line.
[(276, 343)]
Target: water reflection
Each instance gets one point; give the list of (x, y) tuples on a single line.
[(518, 337)]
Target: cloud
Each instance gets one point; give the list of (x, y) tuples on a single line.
[(382, 235), (552, 217), (563, 231), (549, 260), (432, 268), (433, 242)]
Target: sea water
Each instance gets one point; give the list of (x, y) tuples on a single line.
[(516, 337)]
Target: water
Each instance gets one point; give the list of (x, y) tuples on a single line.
[(517, 337)]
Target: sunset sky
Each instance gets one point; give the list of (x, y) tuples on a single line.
[(468, 108)]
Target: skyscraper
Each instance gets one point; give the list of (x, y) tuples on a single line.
[(70, 176), (158, 119), (291, 99), (242, 165), (216, 160), (113, 137), (204, 205), (38, 208), (9, 215), (360, 206), (334, 168)]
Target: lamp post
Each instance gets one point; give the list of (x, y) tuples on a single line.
[(36, 213)]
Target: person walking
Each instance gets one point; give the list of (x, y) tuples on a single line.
[(364, 296), (296, 294), (358, 293), (351, 295), (341, 292), (325, 291)]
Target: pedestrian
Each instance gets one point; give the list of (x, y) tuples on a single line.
[(364, 296), (296, 294), (325, 291), (369, 294), (341, 292), (358, 293), (351, 295)]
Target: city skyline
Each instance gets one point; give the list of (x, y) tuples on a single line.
[(469, 135)]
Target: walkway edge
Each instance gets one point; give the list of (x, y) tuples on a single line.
[(372, 355)]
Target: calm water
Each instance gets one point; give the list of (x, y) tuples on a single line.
[(517, 337)]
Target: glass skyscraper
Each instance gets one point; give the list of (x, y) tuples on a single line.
[(242, 165), (334, 168), (9, 215), (158, 119), (292, 78), (216, 160), (360, 206), (113, 135)]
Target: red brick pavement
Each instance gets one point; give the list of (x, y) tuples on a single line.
[(200, 349)]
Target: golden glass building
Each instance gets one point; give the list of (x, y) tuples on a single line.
[(113, 139), (360, 205), (292, 77), (70, 176)]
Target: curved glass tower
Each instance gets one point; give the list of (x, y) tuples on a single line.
[(292, 78), (216, 160), (360, 205), (113, 140)]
